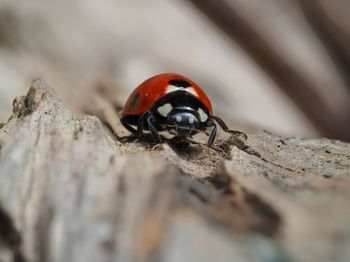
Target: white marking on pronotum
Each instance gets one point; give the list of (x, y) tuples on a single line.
[(165, 109), (203, 116), (171, 88), (191, 120), (178, 118), (192, 91)]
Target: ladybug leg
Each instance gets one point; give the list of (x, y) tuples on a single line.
[(238, 133), (221, 123), (141, 124), (149, 118), (130, 128), (127, 126), (212, 134), (226, 129), (154, 132)]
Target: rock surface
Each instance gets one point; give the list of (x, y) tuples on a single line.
[(72, 190)]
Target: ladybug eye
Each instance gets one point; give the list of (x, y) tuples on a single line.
[(179, 83)]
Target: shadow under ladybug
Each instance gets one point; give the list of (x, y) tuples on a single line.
[(174, 103)]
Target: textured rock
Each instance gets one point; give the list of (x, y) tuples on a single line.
[(70, 190)]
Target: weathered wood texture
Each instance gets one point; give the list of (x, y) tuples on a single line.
[(72, 191)]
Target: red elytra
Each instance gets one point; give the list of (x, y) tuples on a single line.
[(168, 102), (147, 93)]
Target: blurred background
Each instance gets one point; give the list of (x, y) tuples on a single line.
[(279, 65)]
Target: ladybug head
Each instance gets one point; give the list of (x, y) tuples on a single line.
[(185, 120)]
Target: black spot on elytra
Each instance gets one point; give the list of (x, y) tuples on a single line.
[(134, 100), (179, 83)]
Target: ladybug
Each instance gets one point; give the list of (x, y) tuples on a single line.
[(168, 102)]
